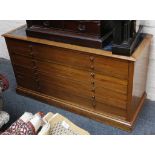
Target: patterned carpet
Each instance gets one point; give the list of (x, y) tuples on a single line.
[(16, 105)]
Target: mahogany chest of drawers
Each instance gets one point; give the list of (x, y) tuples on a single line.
[(91, 82)]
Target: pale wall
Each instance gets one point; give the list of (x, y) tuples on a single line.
[(5, 26)]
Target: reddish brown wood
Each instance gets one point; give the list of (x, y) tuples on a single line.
[(94, 83)]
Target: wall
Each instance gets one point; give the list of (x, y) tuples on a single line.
[(149, 27), (5, 26)]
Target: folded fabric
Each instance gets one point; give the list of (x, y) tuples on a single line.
[(52, 124), (45, 129), (27, 124), (20, 126), (4, 118), (62, 126), (47, 117), (59, 125), (1, 101)]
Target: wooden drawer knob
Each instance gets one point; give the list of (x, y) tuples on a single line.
[(37, 80), (92, 58), (30, 46), (31, 53), (92, 74), (92, 67), (46, 23), (38, 85), (34, 62), (94, 104), (93, 101), (82, 27), (92, 82), (93, 97), (34, 68), (93, 90), (35, 72), (36, 76)]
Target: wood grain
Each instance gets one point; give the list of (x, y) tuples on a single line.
[(20, 34), (91, 82)]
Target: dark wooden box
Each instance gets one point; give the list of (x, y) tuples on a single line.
[(90, 33)]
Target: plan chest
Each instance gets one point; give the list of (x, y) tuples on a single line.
[(87, 81)]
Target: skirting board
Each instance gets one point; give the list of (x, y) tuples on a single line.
[(104, 118)]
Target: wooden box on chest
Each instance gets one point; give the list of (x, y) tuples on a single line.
[(89, 33), (90, 82)]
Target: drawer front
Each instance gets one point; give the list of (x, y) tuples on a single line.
[(89, 27), (52, 23), (22, 61), (53, 69), (109, 110), (65, 89), (25, 77), (69, 85), (110, 98), (111, 84), (19, 47), (18, 69), (111, 91), (62, 56), (26, 82), (58, 24), (63, 94), (111, 67), (80, 94)]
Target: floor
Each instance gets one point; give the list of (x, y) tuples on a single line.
[(16, 105)]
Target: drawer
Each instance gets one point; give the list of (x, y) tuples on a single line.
[(111, 67), (25, 77), (52, 69), (76, 94), (111, 91), (65, 89), (19, 47), (58, 24), (68, 85), (23, 70), (110, 98), (62, 56), (86, 27), (111, 83), (109, 110), (28, 82), (22, 61)]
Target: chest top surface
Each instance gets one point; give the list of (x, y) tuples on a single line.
[(20, 33)]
